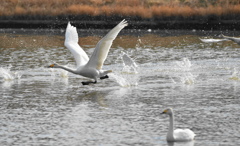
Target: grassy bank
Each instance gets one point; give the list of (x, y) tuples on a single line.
[(200, 11)]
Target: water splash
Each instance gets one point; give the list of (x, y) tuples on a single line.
[(128, 75), (235, 75), (139, 43), (9, 75), (63, 74), (185, 64), (129, 65), (187, 77), (120, 80)]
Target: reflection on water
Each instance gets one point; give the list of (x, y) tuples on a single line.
[(190, 143), (152, 70)]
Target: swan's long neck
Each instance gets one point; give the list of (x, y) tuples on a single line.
[(232, 39), (236, 40), (171, 128), (67, 69)]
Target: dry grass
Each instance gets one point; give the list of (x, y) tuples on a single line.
[(139, 8), (82, 10)]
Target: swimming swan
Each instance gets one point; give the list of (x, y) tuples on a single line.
[(178, 134), (90, 68), (213, 40)]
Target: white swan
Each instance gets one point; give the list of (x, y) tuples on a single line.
[(178, 134), (90, 68), (213, 40)]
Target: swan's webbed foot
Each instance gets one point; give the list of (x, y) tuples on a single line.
[(90, 82), (104, 77)]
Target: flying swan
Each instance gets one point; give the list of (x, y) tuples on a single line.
[(178, 134), (90, 68)]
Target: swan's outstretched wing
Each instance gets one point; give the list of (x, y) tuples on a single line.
[(101, 51), (71, 42), (183, 135)]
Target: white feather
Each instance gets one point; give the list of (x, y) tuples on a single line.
[(102, 48), (183, 135), (71, 42)]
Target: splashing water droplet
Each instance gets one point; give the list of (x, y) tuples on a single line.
[(8, 75), (187, 77), (63, 74), (235, 75), (128, 76), (185, 64), (129, 64)]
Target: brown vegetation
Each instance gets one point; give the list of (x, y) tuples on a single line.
[(135, 8)]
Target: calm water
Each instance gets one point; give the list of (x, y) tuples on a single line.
[(41, 106)]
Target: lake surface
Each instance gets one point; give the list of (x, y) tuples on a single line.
[(167, 68)]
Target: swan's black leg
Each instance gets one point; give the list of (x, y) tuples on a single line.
[(89, 82), (104, 77)]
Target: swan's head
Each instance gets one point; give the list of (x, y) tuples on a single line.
[(53, 66), (168, 111)]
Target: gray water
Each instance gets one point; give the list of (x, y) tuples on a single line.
[(42, 106)]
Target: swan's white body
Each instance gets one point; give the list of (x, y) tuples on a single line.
[(178, 134), (213, 40), (90, 68)]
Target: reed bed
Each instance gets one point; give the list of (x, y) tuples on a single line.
[(131, 8)]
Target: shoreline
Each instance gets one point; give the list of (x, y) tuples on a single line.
[(133, 24)]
